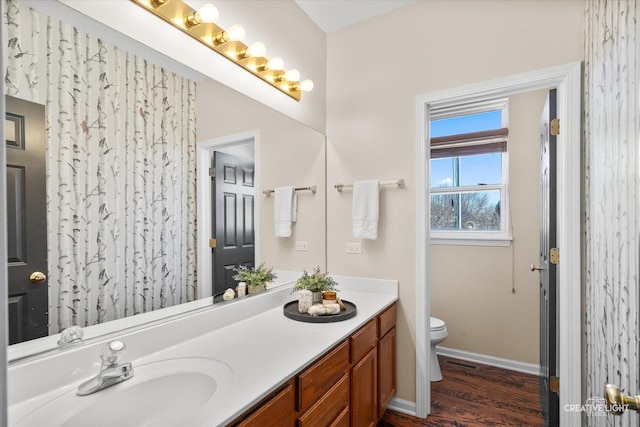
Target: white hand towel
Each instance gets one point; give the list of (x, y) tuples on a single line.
[(285, 208), (366, 206)]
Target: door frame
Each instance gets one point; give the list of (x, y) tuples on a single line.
[(567, 79), (204, 151), (4, 275)]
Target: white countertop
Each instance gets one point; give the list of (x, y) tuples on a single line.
[(262, 350)]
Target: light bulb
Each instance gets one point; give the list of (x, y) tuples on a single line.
[(208, 13), (306, 85), (275, 64), (292, 75), (257, 49), (235, 33)]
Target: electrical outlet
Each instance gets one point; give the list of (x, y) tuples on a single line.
[(302, 246), (354, 248)]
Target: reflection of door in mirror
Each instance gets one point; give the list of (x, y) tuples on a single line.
[(26, 220), (233, 218)]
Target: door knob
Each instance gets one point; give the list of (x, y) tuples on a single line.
[(617, 402), (536, 268), (37, 277)]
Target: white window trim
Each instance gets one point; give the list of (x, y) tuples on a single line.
[(479, 237)]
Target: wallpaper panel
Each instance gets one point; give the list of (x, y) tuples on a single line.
[(121, 178), (612, 150)]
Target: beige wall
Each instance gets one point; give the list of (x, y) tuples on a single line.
[(375, 70), (471, 286), (290, 154)]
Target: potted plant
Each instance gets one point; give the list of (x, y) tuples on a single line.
[(317, 283), (256, 278)]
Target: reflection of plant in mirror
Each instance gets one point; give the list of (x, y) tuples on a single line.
[(316, 282), (255, 276)]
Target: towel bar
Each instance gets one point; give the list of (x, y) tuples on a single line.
[(398, 182), (311, 188)]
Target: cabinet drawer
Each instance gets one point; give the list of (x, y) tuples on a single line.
[(275, 412), (322, 375), (344, 419), (363, 341), (386, 321), (330, 408)]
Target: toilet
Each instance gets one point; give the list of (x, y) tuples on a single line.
[(438, 334)]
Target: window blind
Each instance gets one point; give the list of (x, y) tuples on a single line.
[(468, 144)]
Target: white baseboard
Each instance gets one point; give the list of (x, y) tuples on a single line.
[(402, 406), (512, 365)]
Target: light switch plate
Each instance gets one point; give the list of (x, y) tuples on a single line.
[(354, 248), (302, 246)]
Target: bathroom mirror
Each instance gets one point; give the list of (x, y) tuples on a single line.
[(122, 235)]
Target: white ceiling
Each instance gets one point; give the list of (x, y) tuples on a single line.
[(332, 15)]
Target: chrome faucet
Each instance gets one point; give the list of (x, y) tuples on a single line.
[(111, 372)]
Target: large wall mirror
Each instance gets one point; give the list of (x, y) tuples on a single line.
[(105, 213)]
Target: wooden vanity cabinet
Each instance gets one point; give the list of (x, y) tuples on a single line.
[(351, 385)]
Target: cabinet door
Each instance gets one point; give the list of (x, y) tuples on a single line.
[(364, 391), (386, 370), (276, 412)]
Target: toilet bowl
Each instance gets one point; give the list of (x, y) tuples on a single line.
[(438, 333)]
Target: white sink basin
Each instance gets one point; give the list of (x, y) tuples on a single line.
[(173, 392)]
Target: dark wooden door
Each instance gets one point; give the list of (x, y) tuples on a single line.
[(233, 219), (547, 267), (26, 220)]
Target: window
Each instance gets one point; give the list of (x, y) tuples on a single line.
[(469, 173)]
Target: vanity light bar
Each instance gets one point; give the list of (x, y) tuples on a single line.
[(227, 43)]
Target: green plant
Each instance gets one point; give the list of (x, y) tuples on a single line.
[(316, 282), (254, 276)]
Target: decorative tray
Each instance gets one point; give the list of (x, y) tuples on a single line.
[(291, 311)]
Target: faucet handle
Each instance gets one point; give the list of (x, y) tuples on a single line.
[(112, 352)]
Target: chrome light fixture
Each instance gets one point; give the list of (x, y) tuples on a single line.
[(201, 25)]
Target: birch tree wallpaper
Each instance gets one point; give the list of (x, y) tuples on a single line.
[(121, 178)]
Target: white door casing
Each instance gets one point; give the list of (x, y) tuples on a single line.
[(567, 80)]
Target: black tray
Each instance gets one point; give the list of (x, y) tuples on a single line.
[(291, 311)]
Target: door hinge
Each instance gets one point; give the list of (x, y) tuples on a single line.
[(554, 127), (212, 243), (554, 385), (554, 256), (212, 172)]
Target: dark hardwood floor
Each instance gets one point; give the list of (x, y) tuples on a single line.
[(477, 395)]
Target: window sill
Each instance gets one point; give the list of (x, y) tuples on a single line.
[(466, 241)]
